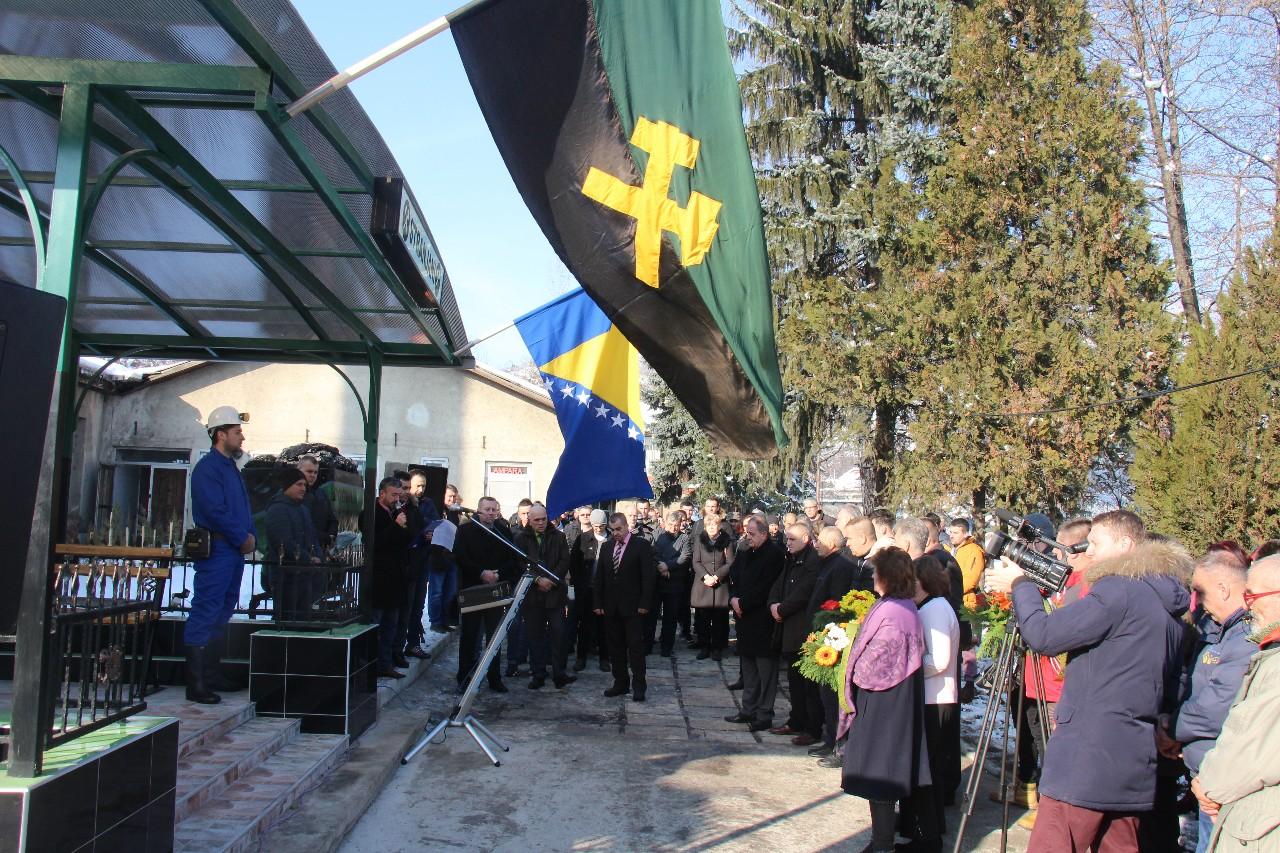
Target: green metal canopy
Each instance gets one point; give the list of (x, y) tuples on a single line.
[(211, 224)]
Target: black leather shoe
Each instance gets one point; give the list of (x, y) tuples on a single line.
[(497, 687), (819, 750), (761, 726), (834, 759), (637, 695), (390, 673), (512, 669), (737, 685), (617, 690), (537, 683), (400, 661), (563, 680), (704, 654), (418, 652), (715, 655), (738, 718)]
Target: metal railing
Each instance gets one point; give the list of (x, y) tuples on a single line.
[(302, 596), (105, 603)]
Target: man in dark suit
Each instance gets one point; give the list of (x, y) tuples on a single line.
[(482, 559), (545, 604), (789, 606), (626, 573)]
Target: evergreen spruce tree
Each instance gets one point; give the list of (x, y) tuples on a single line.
[(1032, 278), (841, 96), (1212, 471)]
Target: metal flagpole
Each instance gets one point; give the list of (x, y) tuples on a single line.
[(343, 78), (471, 344)]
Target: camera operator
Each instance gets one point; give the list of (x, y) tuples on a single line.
[(1123, 642)]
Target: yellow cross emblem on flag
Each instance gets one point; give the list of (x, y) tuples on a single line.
[(654, 212)]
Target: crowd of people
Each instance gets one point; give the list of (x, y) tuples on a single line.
[(1149, 674)]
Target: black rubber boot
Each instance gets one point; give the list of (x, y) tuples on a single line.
[(196, 689)]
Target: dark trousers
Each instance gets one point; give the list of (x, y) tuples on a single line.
[(712, 625), (666, 602), (517, 644), (806, 705), (942, 734), (544, 626), (387, 620), (585, 633), (626, 647), (484, 622), (1064, 828), (409, 632), (442, 590), (830, 715), (685, 614)]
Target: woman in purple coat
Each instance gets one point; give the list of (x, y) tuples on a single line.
[(886, 758)]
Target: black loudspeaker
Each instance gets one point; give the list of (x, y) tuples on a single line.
[(437, 479), (30, 333)]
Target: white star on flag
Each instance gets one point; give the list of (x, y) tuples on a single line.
[(583, 398), (550, 384), (617, 420), (602, 410), (567, 390), (632, 432)]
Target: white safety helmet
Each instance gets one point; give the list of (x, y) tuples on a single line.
[(224, 416)]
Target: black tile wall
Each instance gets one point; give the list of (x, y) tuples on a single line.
[(269, 654), (61, 813), (315, 694), (164, 760), (308, 656), (267, 691), (124, 782), (160, 824)]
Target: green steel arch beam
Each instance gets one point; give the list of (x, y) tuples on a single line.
[(29, 203)]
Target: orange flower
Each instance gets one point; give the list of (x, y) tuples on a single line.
[(1001, 600), (826, 656)]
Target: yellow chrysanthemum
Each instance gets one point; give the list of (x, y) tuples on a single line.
[(826, 656)]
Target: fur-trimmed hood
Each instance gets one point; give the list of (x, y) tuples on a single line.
[(1165, 566)]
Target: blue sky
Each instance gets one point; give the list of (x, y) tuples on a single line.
[(500, 264)]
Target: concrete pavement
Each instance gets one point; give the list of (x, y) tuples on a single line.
[(589, 773)]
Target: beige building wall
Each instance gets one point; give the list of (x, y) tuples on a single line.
[(472, 418)]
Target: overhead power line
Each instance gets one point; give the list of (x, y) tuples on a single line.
[(1150, 395)]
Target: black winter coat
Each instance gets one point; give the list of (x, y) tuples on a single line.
[(323, 517), (835, 578), (791, 592), (290, 533), (582, 562), (390, 561), (755, 572), (552, 553), (476, 551)]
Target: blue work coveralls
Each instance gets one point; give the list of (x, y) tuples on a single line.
[(220, 504)]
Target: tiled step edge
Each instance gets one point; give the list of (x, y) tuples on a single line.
[(249, 807), (237, 713), (235, 755)]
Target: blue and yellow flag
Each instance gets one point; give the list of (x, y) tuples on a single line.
[(593, 376)]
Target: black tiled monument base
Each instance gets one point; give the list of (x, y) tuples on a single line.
[(328, 680), (112, 790)]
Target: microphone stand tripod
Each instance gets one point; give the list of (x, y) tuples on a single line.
[(461, 716), (1008, 676)]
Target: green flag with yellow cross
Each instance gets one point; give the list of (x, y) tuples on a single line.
[(621, 124)]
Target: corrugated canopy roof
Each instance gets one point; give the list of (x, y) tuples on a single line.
[(234, 231)]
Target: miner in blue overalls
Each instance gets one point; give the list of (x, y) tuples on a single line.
[(219, 504)]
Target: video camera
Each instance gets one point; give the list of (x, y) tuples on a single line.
[(1019, 548)]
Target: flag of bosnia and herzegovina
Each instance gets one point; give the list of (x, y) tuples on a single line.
[(621, 124)]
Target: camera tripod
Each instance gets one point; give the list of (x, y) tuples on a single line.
[(1008, 675), (461, 716)]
